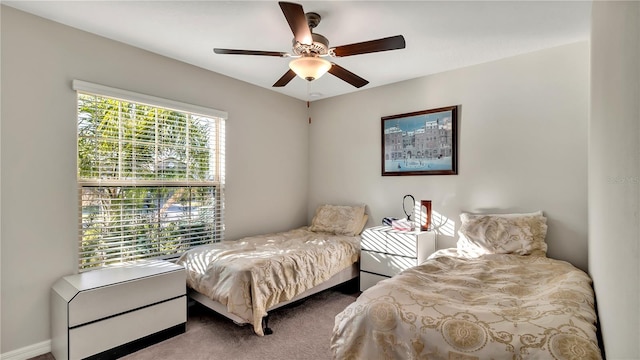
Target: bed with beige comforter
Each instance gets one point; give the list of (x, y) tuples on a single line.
[(251, 275), (511, 304)]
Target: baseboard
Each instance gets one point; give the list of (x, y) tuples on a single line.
[(28, 352)]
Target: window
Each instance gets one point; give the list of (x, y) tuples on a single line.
[(150, 176)]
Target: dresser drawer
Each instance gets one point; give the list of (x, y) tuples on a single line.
[(103, 301), (384, 264), (103, 335)]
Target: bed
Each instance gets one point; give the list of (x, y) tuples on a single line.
[(245, 279), (495, 296)]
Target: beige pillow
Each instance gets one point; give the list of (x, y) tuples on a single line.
[(365, 217), (520, 234), (339, 220)]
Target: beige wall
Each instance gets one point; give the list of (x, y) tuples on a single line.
[(614, 174), (266, 179), (522, 145)]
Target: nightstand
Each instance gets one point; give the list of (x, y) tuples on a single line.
[(386, 252)]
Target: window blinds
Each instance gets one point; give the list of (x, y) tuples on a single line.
[(150, 178)]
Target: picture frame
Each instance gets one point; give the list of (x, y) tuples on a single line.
[(420, 143)]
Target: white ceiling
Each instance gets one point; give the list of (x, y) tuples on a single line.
[(440, 35)]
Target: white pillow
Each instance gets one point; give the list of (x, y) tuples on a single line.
[(520, 234), (339, 220)]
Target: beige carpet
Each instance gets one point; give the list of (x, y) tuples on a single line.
[(301, 331)]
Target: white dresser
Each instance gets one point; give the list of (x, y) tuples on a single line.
[(110, 312), (386, 252)]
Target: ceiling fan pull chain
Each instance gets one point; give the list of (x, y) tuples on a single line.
[(309, 101)]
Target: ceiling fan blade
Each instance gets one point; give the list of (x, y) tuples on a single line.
[(384, 44), (294, 13), (346, 75), (284, 80), (249, 52)]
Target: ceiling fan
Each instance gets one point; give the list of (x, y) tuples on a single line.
[(310, 49)]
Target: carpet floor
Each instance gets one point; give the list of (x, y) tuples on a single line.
[(301, 331)]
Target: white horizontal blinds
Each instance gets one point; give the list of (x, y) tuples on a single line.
[(138, 142), (143, 222), (151, 180)]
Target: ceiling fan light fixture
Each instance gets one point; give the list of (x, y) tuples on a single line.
[(310, 67)]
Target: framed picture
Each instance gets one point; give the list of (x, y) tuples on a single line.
[(420, 143)]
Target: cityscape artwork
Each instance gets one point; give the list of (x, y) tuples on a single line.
[(420, 143)]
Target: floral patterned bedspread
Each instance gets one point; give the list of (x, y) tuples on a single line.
[(252, 274), (499, 306)]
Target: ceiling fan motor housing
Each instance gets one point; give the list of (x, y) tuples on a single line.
[(319, 46)]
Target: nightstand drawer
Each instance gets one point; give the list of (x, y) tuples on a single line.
[(384, 264), (386, 240), (373, 240), (401, 243)]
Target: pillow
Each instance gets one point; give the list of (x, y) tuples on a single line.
[(520, 234), (365, 217), (339, 220)]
